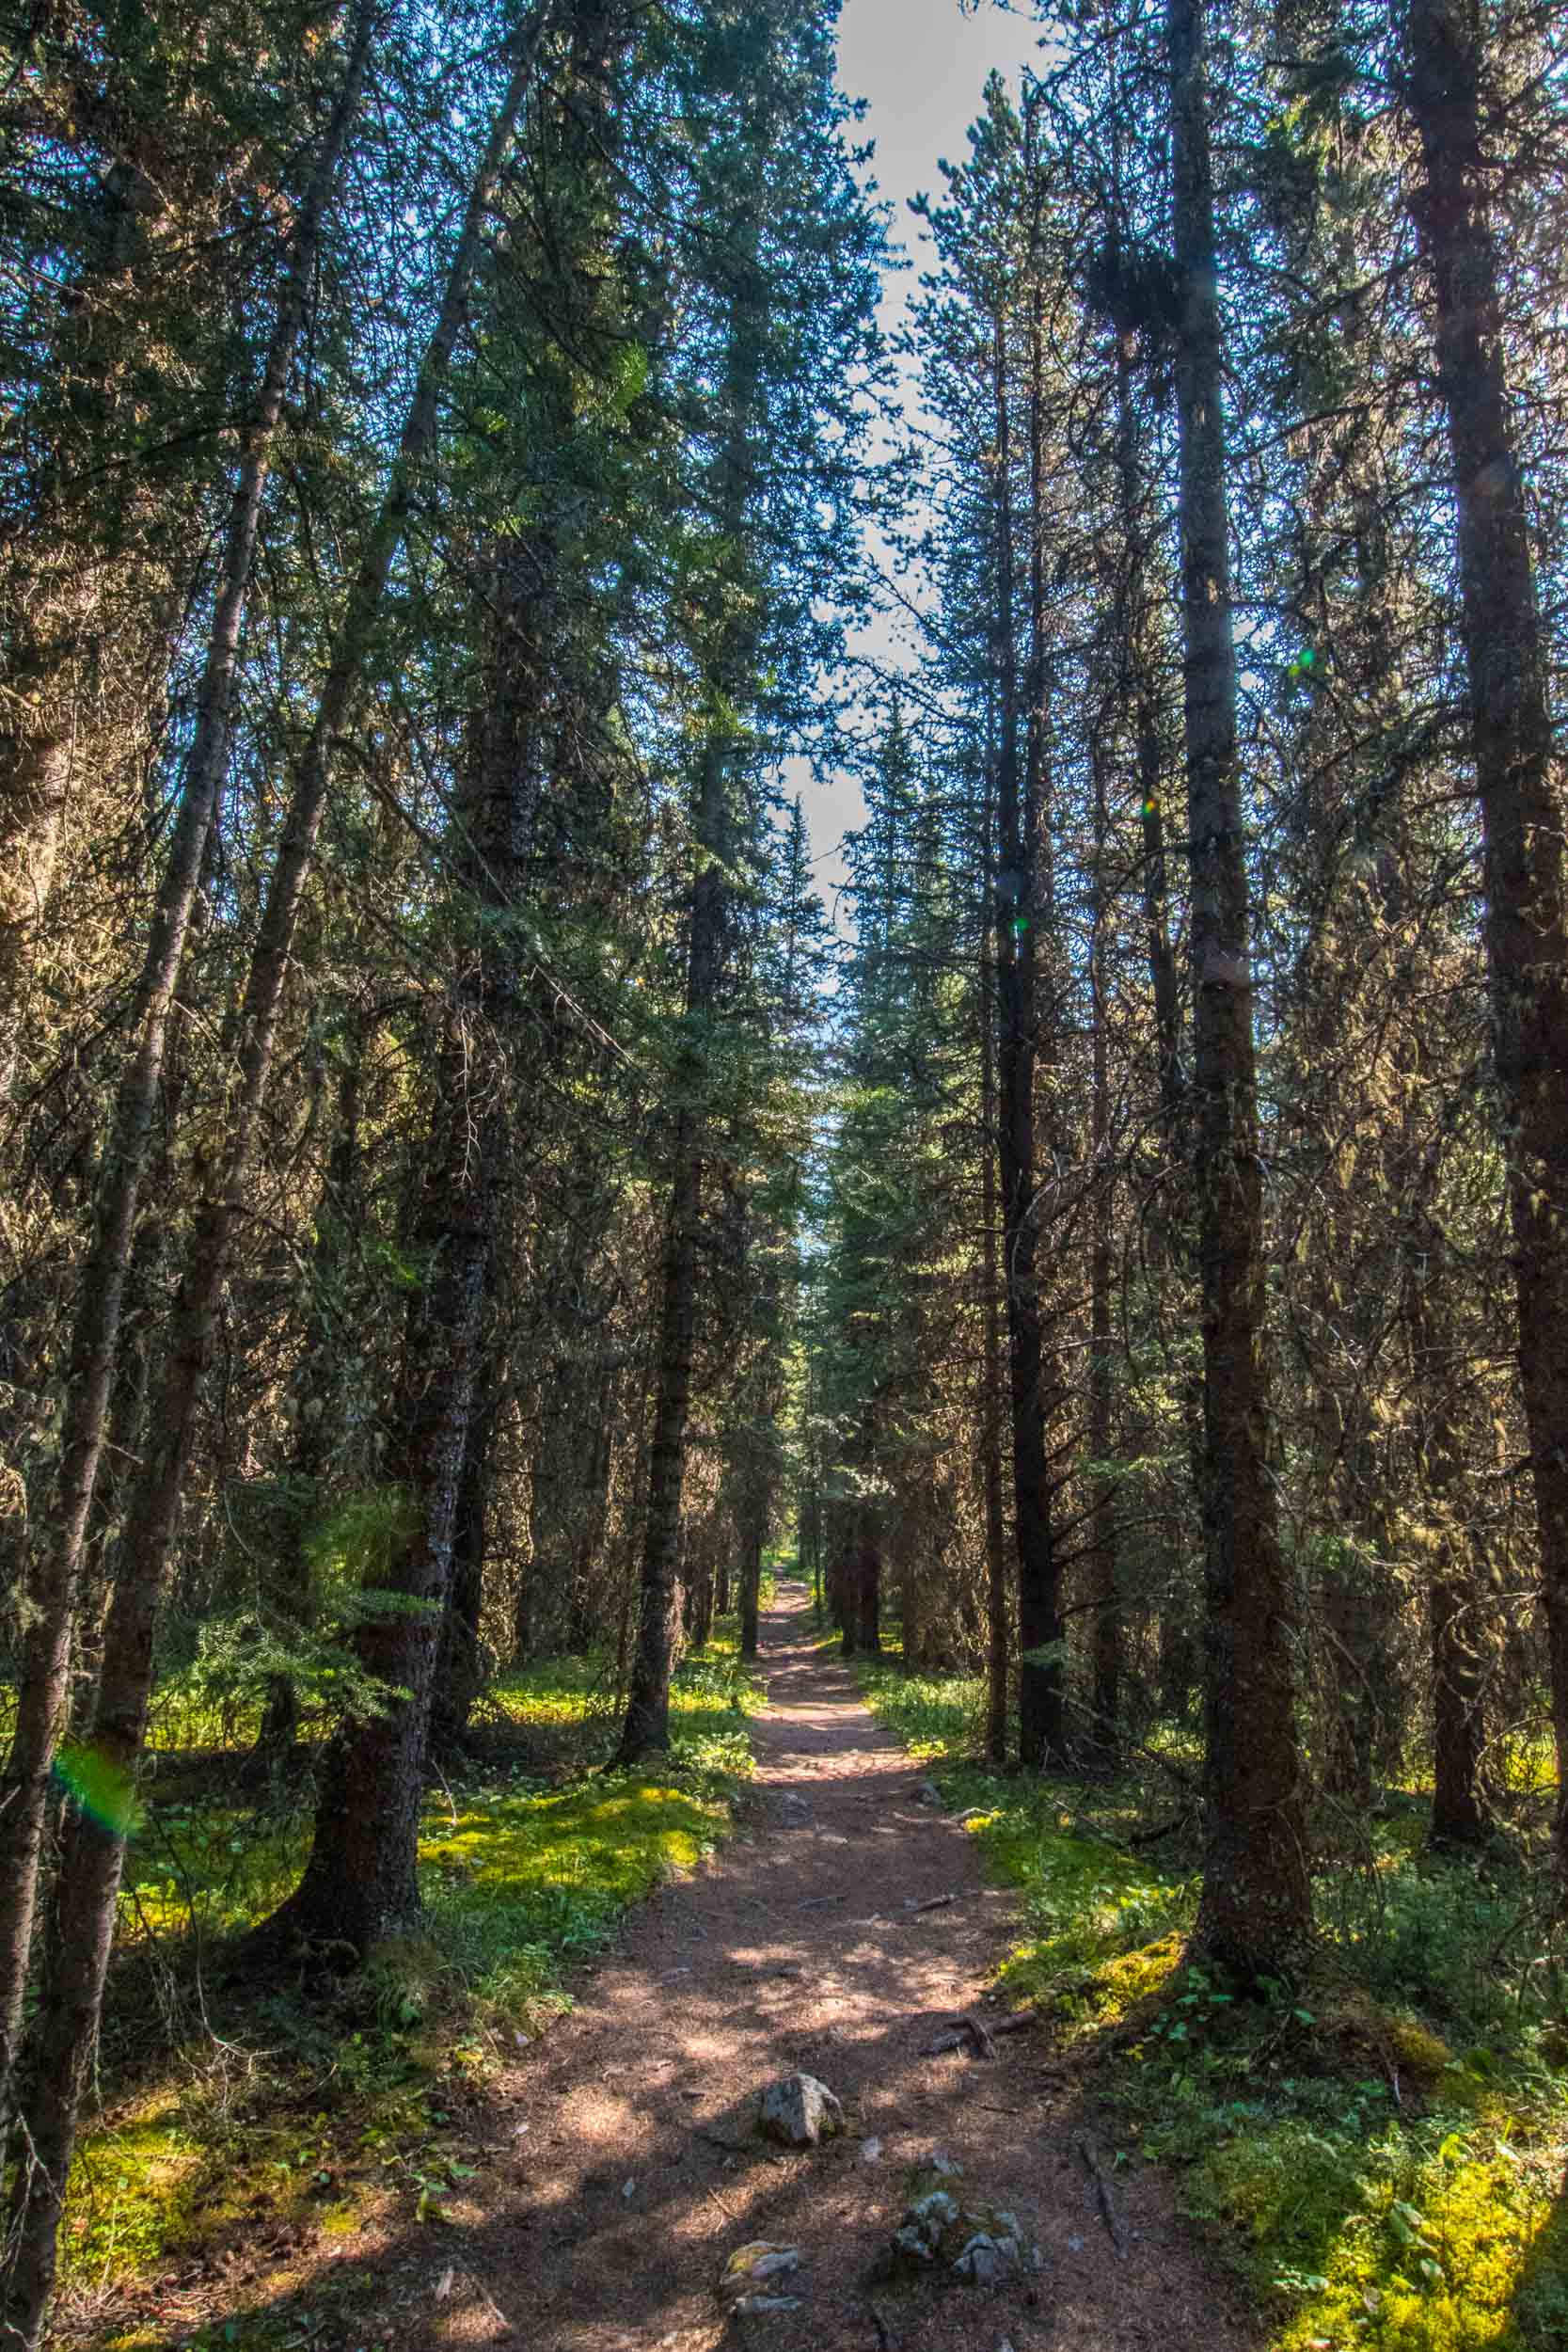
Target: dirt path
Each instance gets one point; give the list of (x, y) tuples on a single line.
[(636, 2172)]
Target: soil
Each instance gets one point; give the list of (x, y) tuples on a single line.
[(637, 2168)]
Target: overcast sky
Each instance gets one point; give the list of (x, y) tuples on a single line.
[(921, 67)]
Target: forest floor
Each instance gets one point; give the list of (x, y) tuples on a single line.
[(1375, 2159), (633, 2170)]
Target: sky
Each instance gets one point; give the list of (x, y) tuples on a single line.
[(921, 67)]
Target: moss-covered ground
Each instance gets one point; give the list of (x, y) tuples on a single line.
[(1380, 2151), (277, 2118)]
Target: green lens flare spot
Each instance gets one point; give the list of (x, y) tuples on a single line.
[(100, 1788)]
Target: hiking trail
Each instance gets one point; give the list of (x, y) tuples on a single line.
[(635, 2170)]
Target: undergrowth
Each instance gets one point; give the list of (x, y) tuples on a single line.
[(238, 2116), (1381, 2151)]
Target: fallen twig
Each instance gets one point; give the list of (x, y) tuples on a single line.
[(962, 2030), (1102, 2194)]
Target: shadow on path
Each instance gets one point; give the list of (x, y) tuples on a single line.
[(629, 2170)]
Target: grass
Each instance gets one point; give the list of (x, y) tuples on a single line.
[(236, 2113), (1380, 2153)]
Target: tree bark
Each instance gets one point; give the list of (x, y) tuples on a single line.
[(1106, 1637), (646, 1725), (360, 1881), (868, 1588), (460, 1665), (991, 1406), (750, 1590), (1041, 1679), (1518, 773), (1255, 1914), (318, 1387)]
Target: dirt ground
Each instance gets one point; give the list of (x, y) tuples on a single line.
[(633, 2170)]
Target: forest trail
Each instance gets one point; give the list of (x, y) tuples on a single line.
[(636, 2172)]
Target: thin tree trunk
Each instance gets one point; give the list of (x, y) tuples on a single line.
[(1255, 1914), (1106, 1638), (1518, 771), (868, 1589), (991, 1406), (360, 1881), (1139, 690), (1040, 1679), (318, 1387), (36, 781), (750, 1590), (89, 1380), (646, 1725), (1452, 1598), (459, 1666)]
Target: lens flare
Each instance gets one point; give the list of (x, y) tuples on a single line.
[(100, 1788)]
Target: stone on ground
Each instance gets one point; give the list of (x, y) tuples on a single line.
[(797, 2111), (750, 2268), (940, 2235)]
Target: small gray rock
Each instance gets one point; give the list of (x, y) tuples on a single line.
[(797, 2111), (751, 2267)]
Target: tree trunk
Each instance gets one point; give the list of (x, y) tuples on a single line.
[(1106, 1638), (1255, 1915), (1518, 773), (360, 1881), (460, 1667), (46, 1667), (318, 1387), (991, 1408), (700, 1627), (1040, 1681), (1453, 1602), (36, 780), (750, 1589), (868, 1582), (646, 1727)]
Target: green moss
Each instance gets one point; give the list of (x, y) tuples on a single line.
[(518, 1885), (1385, 2246), (130, 2195)]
